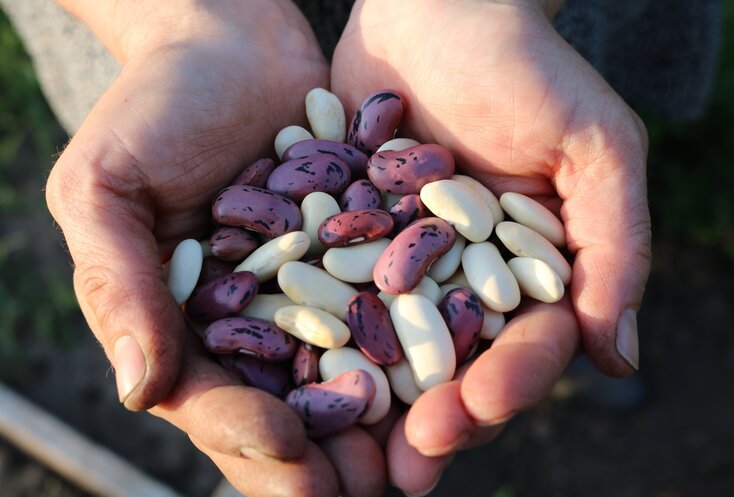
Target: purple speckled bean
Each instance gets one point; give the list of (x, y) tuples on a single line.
[(250, 336), (232, 244), (319, 173), (333, 406), (406, 260), (355, 227), (306, 364), (268, 376), (463, 314), (222, 297), (406, 171), (256, 174), (407, 210), (256, 209), (369, 287), (355, 159), (376, 121), (213, 268), (360, 195), (369, 321)]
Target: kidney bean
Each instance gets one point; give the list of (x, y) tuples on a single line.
[(355, 159), (406, 260), (360, 195), (268, 376), (213, 268), (369, 321), (406, 210), (256, 209), (250, 336), (298, 177), (232, 244), (349, 228), (306, 364), (407, 171), (376, 121), (462, 311), (222, 297), (256, 174), (333, 406)]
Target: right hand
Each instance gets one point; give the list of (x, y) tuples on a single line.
[(204, 88)]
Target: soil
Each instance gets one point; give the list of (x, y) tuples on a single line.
[(666, 433)]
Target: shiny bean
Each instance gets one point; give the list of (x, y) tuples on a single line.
[(462, 312), (333, 406), (298, 177), (250, 336), (355, 159), (376, 121), (372, 330), (407, 259), (256, 209), (407, 210), (256, 174), (306, 364), (222, 297), (360, 195), (232, 244), (349, 228), (213, 268), (268, 376), (407, 171)]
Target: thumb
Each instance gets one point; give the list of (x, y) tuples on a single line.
[(101, 203), (608, 226)]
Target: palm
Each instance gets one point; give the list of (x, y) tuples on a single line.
[(522, 112)]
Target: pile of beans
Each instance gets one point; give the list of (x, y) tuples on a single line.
[(354, 270)]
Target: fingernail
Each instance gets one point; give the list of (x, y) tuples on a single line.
[(428, 490), (129, 363), (255, 455), (627, 340), (448, 448)]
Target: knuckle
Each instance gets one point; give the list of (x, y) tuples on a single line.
[(94, 284)]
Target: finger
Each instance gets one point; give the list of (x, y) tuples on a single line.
[(608, 227), (311, 475), (438, 424), (523, 364), (107, 219), (358, 461), (227, 417), (409, 470)]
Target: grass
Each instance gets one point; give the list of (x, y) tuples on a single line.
[(36, 298)]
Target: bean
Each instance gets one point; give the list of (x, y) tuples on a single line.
[(298, 177), (407, 171), (306, 364), (184, 269), (536, 279), (376, 121), (498, 215), (312, 326), (407, 210), (372, 330), (354, 264), (524, 242), (264, 306), (461, 207), (462, 312), (355, 159), (213, 268), (288, 136), (447, 264), (267, 376), (249, 336), (266, 260), (488, 275), (360, 195), (232, 244), (534, 215), (398, 144), (404, 263), (256, 174), (402, 381), (350, 228), (256, 209), (222, 297), (325, 115), (335, 405), (314, 287)]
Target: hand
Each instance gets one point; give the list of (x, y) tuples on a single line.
[(204, 88), (523, 112)]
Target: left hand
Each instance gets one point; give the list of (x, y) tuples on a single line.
[(523, 112)]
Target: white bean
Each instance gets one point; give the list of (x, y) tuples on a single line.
[(264, 305), (354, 264), (447, 264), (184, 269), (326, 115), (315, 208), (313, 326), (398, 144), (314, 287), (288, 136), (265, 261), (524, 242), (402, 381), (536, 279), (535, 216), (489, 277)]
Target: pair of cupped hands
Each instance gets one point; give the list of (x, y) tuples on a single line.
[(204, 88)]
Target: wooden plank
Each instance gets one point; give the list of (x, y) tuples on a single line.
[(93, 468)]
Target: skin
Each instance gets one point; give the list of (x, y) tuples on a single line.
[(523, 112), (205, 87)]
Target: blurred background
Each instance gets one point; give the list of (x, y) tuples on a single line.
[(666, 433)]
